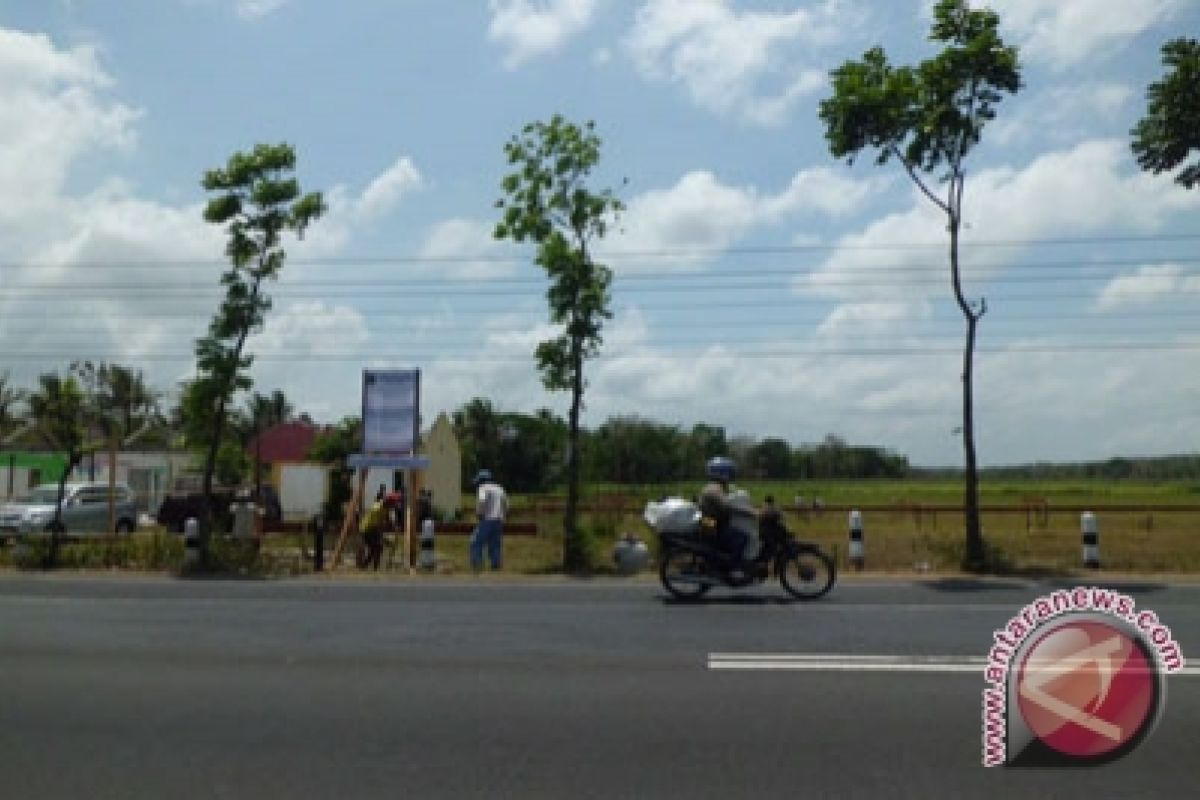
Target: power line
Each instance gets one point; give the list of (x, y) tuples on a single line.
[(682, 275), (656, 253), (439, 355)]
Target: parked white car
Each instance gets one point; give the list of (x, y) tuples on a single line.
[(84, 510)]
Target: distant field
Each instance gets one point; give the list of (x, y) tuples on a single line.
[(1034, 525)]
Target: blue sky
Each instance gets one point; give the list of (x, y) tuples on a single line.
[(760, 283)]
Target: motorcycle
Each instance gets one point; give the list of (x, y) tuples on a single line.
[(691, 561)]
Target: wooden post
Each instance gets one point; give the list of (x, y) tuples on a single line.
[(112, 484), (410, 520), (351, 518)]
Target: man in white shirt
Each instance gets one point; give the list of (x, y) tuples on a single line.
[(491, 505)]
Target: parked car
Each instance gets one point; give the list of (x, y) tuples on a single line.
[(84, 510), (178, 505)]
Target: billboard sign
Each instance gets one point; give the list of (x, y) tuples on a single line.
[(391, 411)]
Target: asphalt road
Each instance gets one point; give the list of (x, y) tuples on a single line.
[(127, 688)]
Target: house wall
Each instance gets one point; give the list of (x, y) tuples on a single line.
[(17, 481), (150, 474), (303, 493), (444, 477), (21, 471)]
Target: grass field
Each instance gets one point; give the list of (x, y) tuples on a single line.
[(909, 527)]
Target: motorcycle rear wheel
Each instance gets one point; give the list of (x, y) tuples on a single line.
[(806, 574), (680, 571)]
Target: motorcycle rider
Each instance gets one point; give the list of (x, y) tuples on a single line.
[(715, 504)]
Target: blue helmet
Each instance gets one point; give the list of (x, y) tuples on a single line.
[(721, 468), (482, 477)]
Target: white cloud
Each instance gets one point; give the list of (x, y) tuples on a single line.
[(466, 248), (1148, 285), (386, 190), (698, 216), (741, 64), (53, 109), (1064, 33), (854, 320), (1064, 114), (347, 213), (310, 329), (528, 29), (257, 9), (1090, 188)]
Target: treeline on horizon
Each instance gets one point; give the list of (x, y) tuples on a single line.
[(527, 452), (1148, 468)]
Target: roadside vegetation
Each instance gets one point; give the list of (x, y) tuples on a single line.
[(912, 527)]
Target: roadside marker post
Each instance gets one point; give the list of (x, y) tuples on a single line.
[(191, 544), (1090, 532), (426, 558), (857, 556)]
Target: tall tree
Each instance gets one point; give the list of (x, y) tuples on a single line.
[(929, 118), (258, 200), (120, 402), (548, 201), (1169, 134)]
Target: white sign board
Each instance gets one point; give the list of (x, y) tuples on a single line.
[(391, 400), (303, 490)]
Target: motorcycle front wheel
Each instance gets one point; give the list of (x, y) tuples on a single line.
[(806, 574), (681, 573)]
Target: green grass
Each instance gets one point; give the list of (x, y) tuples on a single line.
[(904, 540)]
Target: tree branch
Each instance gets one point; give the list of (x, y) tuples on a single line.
[(912, 173)]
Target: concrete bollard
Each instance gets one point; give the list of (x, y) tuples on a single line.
[(1090, 531), (630, 555), (426, 559), (856, 552), (243, 520), (191, 544)]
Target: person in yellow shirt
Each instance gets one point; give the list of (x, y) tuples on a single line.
[(377, 519)]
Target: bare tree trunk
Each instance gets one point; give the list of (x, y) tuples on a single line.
[(210, 464), (975, 550), (574, 555), (974, 554)]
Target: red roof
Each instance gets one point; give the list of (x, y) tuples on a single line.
[(286, 442)]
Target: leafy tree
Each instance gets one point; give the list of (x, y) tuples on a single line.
[(262, 411), (1170, 132), (530, 450), (477, 427), (258, 200), (333, 446), (547, 200), (706, 441), (120, 403), (522, 449), (11, 398), (928, 118), (771, 458), (633, 450), (58, 409)]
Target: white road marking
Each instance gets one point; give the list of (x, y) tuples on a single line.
[(836, 662)]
